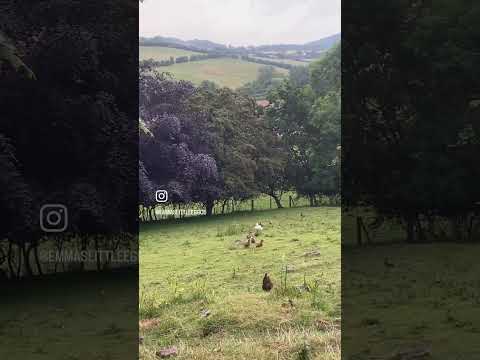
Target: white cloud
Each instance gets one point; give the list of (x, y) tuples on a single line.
[(241, 22)]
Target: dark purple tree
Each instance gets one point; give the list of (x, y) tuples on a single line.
[(174, 143)]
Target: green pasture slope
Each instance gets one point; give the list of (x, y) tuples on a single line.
[(194, 266), (228, 72), (70, 316), (425, 298), (160, 53)]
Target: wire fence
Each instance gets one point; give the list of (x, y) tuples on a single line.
[(229, 206)]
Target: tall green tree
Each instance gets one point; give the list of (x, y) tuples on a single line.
[(307, 118)]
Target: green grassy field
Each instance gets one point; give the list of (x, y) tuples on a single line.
[(70, 316), (162, 53), (427, 296), (195, 265), (227, 72), (224, 72)]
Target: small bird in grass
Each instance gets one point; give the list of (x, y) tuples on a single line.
[(388, 264), (250, 240), (260, 244), (205, 313), (267, 284)]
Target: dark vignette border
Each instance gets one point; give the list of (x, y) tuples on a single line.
[(410, 145), (69, 179)]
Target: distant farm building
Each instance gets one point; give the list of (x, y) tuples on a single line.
[(263, 103)]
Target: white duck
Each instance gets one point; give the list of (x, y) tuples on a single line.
[(258, 228)]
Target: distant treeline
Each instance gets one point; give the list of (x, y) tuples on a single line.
[(267, 62), (205, 45), (214, 55), (182, 59), (170, 45)]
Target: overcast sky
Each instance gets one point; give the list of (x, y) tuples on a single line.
[(241, 22)]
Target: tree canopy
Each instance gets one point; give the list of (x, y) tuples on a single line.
[(410, 119)]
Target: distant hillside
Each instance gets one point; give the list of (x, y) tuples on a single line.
[(170, 51), (325, 43), (207, 46), (193, 45), (317, 46)]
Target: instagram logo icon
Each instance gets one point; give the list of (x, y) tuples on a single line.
[(161, 196), (53, 218)]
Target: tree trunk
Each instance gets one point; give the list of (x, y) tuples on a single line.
[(97, 254), (26, 256), (10, 259), (359, 231), (209, 207), (37, 260), (59, 247), (411, 238), (471, 222), (20, 257), (223, 206), (420, 231), (277, 201), (84, 249)]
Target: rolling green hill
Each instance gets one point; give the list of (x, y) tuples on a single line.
[(224, 72), (160, 53)]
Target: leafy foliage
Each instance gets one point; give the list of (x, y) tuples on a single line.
[(410, 117), (209, 144), (308, 121), (70, 136)]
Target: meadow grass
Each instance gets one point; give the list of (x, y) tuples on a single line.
[(195, 266), (431, 297), (70, 316), (428, 295), (160, 53), (227, 72)]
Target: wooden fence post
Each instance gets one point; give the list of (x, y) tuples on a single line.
[(253, 205), (290, 200)]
